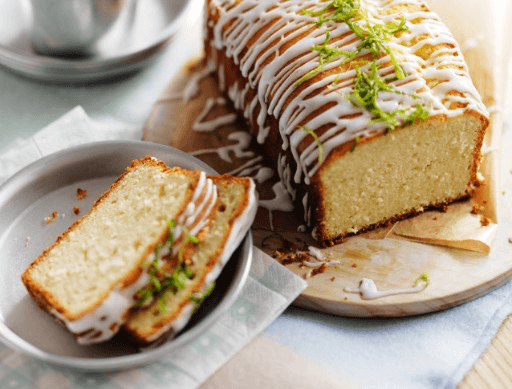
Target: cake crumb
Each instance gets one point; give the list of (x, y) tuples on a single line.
[(27, 240), (475, 209), (81, 193), (510, 240), (485, 221), (354, 265), (76, 210), (51, 218), (321, 269), (435, 218), (333, 278)]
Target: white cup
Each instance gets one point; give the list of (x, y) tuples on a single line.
[(71, 27)]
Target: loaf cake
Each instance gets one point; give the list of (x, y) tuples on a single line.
[(365, 107), (170, 312), (89, 278)]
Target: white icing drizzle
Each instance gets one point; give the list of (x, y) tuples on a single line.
[(316, 253), (319, 259), (250, 165), (281, 202), (213, 124), (307, 210), (103, 322), (318, 264), (243, 139), (238, 231), (264, 174), (191, 89), (272, 64), (368, 290)]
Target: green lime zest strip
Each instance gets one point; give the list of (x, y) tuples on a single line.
[(317, 140), (367, 87), (424, 277), (160, 283), (326, 55), (342, 10), (198, 298), (372, 36)]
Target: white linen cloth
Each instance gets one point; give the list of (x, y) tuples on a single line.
[(270, 288)]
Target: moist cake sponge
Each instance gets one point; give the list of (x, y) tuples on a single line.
[(89, 277), (169, 313), (366, 107)]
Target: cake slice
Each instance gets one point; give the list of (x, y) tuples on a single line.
[(169, 313), (366, 108), (88, 279)]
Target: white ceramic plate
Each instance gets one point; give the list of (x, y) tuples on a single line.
[(51, 184), (140, 32)]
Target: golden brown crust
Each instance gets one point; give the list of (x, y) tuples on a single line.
[(46, 300)]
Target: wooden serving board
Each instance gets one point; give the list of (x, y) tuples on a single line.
[(191, 115)]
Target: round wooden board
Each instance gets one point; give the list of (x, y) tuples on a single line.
[(192, 100)]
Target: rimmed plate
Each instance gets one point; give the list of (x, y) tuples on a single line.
[(141, 31), (51, 184)]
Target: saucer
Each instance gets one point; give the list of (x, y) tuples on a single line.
[(50, 184), (141, 32)]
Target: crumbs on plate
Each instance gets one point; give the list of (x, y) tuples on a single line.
[(51, 218), (81, 193)]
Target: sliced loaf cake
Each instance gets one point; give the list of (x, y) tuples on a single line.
[(169, 312), (89, 278)]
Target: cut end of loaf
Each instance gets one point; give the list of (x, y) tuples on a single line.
[(400, 174)]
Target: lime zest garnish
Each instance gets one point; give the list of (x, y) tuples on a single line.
[(342, 10), (161, 283), (367, 87), (424, 277), (373, 39), (326, 55), (198, 298), (317, 140), (356, 142), (372, 35)]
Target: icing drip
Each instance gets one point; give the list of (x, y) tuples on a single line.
[(211, 125), (257, 35), (320, 259), (243, 139), (281, 202), (368, 290), (191, 89)]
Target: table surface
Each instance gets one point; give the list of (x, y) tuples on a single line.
[(28, 105)]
